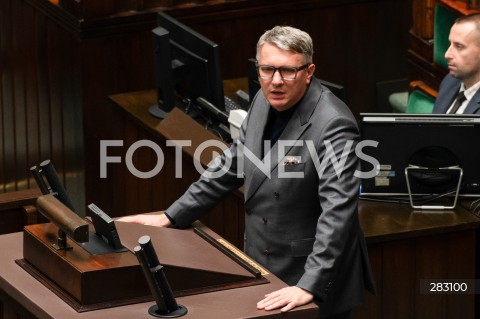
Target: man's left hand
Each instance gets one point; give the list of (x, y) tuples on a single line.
[(287, 298)]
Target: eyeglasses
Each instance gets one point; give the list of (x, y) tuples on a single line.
[(288, 73)]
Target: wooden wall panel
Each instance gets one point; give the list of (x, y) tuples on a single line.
[(41, 114)]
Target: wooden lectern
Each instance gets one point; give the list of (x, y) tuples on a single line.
[(196, 262), (86, 282)]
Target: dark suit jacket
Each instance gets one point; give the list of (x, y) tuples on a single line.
[(447, 93), (304, 230)]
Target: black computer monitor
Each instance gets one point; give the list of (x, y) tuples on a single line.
[(432, 141), (187, 66)]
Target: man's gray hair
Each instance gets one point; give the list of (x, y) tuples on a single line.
[(288, 39)]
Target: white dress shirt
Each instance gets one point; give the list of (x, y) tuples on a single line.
[(469, 93)]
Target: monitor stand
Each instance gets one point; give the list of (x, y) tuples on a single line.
[(412, 169), (157, 112)]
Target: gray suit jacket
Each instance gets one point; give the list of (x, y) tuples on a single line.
[(304, 230), (447, 93)]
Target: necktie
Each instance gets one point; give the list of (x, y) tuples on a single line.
[(459, 100)]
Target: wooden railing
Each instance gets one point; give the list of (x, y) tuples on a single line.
[(17, 209)]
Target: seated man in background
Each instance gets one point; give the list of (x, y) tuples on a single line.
[(459, 92)]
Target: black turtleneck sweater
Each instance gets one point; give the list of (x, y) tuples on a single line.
[(277, 121)]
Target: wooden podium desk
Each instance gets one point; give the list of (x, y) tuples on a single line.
[(408, 247), (23, 296)]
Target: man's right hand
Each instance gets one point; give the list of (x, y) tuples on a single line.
[(156, 219)]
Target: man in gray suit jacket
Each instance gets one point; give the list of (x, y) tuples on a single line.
[(463, 58), (295, 158)]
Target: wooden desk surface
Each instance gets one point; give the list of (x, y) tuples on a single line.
[(176, 126), (43, 303), (389, 221)]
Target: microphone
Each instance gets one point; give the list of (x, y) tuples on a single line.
[(166, 306)]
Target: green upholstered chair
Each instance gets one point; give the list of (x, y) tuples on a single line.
[(398, 102), (443, 21), (420, 102), (421, 98)]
